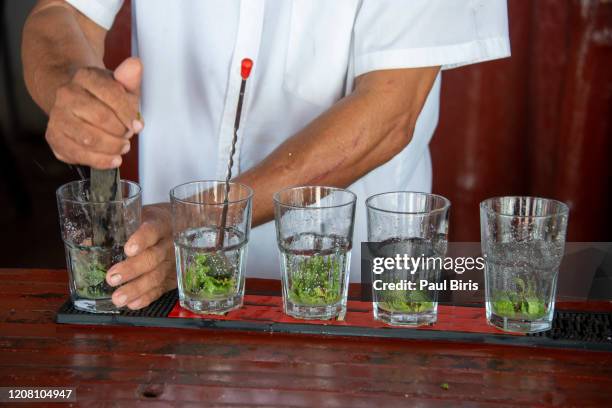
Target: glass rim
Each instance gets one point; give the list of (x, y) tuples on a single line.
[(563, 208), (276, 197), (130, 197), (173, 197), (445, 200)]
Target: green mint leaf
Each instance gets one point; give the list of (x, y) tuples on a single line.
[(316, 282)]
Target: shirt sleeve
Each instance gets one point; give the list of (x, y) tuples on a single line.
[(392, 34), (101, 12)]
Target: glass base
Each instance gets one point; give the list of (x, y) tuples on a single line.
[(405, 319), (327, 312), (518, 325), (218, 306), (95, 305)]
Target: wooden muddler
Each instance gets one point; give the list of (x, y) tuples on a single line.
[(107, 222)]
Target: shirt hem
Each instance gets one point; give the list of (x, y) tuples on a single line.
[(102, 15), (447, 57)]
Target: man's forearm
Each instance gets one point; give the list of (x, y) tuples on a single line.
[(359, 133), (56, 42)]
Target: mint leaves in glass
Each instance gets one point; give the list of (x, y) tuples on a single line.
[(316, 280), (314, 229), (523, 241), (211, 269), (80, 217), (413, 224)]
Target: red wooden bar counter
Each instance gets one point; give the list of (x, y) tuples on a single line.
[(111, 365)]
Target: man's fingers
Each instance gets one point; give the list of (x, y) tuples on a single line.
[(92, 119), (96, 140), (136, 288), (129, 74), (102, 85), (148, 234), (87, 107), (69, 151), (156, 225), (152, 295), (138, 265), (155, 279), (146, 299)]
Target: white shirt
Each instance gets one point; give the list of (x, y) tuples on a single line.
[(307, 54)]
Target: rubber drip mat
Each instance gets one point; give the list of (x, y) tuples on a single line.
[(592, 327), (158, 310), (575, 330)]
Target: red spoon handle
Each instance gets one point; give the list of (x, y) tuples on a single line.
[(245, 69)]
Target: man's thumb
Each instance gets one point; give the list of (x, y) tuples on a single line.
[(129, 74)]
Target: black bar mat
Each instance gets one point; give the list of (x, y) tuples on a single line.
[(150, 314), (575, 330), (591, 327)]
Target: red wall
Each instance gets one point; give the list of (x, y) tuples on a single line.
[(538, 123)]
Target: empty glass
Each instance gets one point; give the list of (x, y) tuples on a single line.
[(314, 230), (414, 225), (88, 259), (523, 241), (210, 263)]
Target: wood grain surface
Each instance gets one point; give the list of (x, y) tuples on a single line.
[(126, 366)]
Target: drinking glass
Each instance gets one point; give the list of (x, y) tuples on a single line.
[(523, 240), (211, 258), (410, 225), (94, 234), (314, 230)]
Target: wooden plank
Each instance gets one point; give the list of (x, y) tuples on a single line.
[(33, 287), (533, 378), (173, 386), (226, 348), (32, 274), (240, 394)]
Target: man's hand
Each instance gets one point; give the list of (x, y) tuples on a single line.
[(149, 270), (95, 115)]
